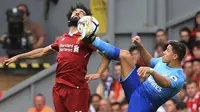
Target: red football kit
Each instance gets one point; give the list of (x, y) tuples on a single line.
[(71, 92)]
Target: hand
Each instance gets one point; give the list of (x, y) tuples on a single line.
[(10, 60), (90, 77), (137, 40), (144, 72)]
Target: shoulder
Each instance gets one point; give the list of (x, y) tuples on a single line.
[(48, 108), (31, 110)]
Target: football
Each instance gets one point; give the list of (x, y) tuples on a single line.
[(88, 25)]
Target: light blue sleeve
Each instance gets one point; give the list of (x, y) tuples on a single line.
[(154, 61), (177, 79)]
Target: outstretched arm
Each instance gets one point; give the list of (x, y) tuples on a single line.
[(146, 57), (102, 67), (37, 53)]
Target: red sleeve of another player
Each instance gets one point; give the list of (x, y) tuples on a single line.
[(55, 45)]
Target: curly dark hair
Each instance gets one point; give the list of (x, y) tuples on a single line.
[(78, 6)]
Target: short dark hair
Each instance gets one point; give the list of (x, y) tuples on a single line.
[(197, 44), (132, 48), (174, 101), (185, 29), (161, 30), (26, 7), (78, 6), (163, 46), (191, 82), (41, 95), (116, 103), (178, 48), (181, 106), (118, 63), (97, 95), (196, 59)]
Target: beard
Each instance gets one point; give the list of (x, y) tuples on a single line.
[(74, 20)]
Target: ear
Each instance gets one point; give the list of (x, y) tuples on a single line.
[(175, 56)]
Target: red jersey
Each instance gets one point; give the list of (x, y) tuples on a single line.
[(73, 56), (193, 104)]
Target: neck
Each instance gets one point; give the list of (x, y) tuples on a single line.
[(174, 64), (72, 29)]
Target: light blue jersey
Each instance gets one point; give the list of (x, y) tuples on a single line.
[(158, 94), (148, 96)]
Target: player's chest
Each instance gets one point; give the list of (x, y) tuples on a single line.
[(162, 70), (71, 45)]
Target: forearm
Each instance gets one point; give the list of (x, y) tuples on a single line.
[(145, 56), (103, 65), (161, 80), (37, 53)]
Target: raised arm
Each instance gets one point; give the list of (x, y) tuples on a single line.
[(37, 53), (102, 67), (146, 57)]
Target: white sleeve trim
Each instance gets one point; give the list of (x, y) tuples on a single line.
[(51, 48)]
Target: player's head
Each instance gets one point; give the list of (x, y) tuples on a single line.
[(77, 12), (175, 52)]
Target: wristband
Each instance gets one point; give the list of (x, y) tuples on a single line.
[(151, 70)]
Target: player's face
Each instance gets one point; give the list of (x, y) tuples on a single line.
[(169, 55), (191, 89), (78, 13)]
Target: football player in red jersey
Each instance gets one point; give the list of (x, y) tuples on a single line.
[(71, 91)]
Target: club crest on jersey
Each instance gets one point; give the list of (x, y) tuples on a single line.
[(174, 78), (63, 39)]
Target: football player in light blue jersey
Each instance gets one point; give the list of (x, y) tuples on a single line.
[(147, 88)]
